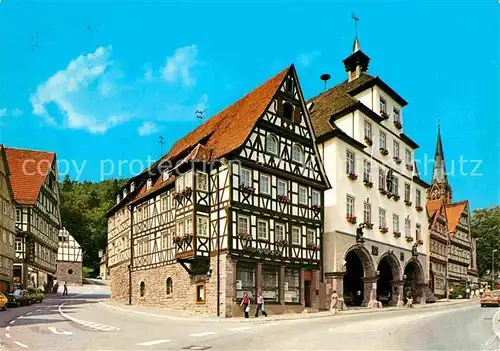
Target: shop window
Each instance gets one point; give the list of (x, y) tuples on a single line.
[(270, 283), (200, 293), (245, 279), (169, 286), (292, 286)]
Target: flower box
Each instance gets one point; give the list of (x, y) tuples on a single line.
[(244, 236), (389, 195), (397, 197), (177, 239), (397, 160), (419, 208), (368, 225), (368, 141), (313, 246), (398, 124), (177, 196), (397, 234), (409, 239), (384, 151), (420, 242), (187, 237), (352, 176), (384, 114), (382, 191), (351, 219), (281, 242), (368, 183), (283, 198), (187, 192), (383, 229), (247, 188), (409, 167), (316, 207), (407, 203)]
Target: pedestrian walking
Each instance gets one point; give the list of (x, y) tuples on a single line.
[(260, 305), (245, 302), (409, 298), (333, 302), (65, 291)]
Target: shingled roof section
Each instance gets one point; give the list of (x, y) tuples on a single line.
[(333, 101), (229, 129), (28, 171), (454, 212)]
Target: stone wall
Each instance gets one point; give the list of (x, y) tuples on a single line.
[(63, 272), (118, 286)]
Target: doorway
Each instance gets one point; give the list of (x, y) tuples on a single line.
[(307, 293)]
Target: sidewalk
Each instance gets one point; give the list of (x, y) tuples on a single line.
[(188, 316)]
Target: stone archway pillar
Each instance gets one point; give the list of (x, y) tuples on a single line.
[(397, 287), (421, 293), (370, 293), (335, 281)]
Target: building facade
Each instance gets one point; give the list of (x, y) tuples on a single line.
[(33, 177), (375, 245), (460, 253), (439, 247), (235, 206), (69, 259), (7, 226)]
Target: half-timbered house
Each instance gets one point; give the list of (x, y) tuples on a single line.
[(69, 259), (235, 206), (33, 176)]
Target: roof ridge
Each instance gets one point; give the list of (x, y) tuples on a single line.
[(29, 150)]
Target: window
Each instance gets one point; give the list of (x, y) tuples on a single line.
[(262, 229), (395, 148), (265, 184), (270, 283), (381, 178), (202, 226), (349, 162), (125, 192), (316, 201), (382, 223), (292, 286), (368, 130), (142, 288), (169, 286), (200, 293), (179, 184), (297, 153), (149, 184), (311, 236), (245, 279), (367, 214), (407, 227), (189, 226), (180, 228), (397, 115), (166, 175), (243, 224), (132, 187), (296, 235), (407, 192), (366, 170), (201, 181), (245, 177), (408, 157), (302, 195), (395, 223), (164, 203), (383, 140), (350, 205), (418, 198), (418, 232), (282, 188), (4, 236), (272, 144), (164, 240), (287, 110), (289, 85), (279, 232), (383, 105), (396, 185)]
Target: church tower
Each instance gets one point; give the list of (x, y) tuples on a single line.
[(440, 188)]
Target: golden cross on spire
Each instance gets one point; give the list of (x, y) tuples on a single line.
[(356, 19)]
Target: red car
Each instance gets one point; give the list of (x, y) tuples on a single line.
[(490, 300)]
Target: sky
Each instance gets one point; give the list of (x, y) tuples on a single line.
[(99, 83)]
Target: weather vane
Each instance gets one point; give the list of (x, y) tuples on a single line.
[(356, 19)]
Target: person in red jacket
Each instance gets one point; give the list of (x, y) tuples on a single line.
[(246, 303)]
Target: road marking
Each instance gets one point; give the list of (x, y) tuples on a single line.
[(154, 342), (7, 335), (38, 310), (202, 334), (269, 324), (12, 322), (7, 328), (240, 328), (29, 313), (92, 325), (20, 317), (21, 344), (54, 330)]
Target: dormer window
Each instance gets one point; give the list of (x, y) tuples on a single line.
[(132, 187), (124, 193), (166, 175), (272, 144), (118, 198), (287, 111), (149, 184)]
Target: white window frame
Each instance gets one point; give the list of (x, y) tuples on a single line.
[(303, 192), (350, 158), (274, 138), (180, 228), (367, 129), (279, 232), (188, 228), (285, 185), (238, 227), (310, 236), (383, 140), (395, 148), (202, 226), (418, 197), (179, 183), (366, 170), (381, 178), (203, 186), (259, 233), (407, 227), (383, 104), (397, 114), (382, 218), (267, 189), (149, 184), (395, 181), (243, 173), (408, 156), (350, 205), (298, 147), (367, 212), (316, 198), (296, 235), (166, 175), (407, 191)]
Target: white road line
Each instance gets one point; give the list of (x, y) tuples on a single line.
[(240, 328), (55, 331), (7, 328), (92, 325), (202, 334), (38, 310), (12, 322), (21, 344), (154, 342), (269, 324), (29, 313), (20, 317), (7, 335)]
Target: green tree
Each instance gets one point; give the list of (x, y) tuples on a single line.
[(486, 229)]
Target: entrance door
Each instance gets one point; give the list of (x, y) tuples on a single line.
[(307, 293)]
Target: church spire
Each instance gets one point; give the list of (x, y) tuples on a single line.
[(439, 172)]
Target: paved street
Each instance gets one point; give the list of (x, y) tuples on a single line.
[(80, 322)]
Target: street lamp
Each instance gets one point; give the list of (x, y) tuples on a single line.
[(493, 285)]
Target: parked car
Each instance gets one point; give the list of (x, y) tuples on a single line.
[(18, 298), (36, 295), (490, 299), (3, 302)]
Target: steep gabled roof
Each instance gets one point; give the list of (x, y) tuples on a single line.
[(454, 212), (28, 171), (433, 206), (229, 129)]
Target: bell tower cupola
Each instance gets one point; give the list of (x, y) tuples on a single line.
[(358, 61)]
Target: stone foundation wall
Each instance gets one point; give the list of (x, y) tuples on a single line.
[(118, 284), (63, 274)]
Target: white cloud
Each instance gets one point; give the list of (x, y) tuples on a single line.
[(179, 66), (3, 112), (147, 128), (305, 59)]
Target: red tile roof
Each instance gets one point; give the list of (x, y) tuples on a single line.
[(454, 212), (28, 171), (433, 206), (229, 129)]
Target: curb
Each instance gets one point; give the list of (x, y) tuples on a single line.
[(92, 325)]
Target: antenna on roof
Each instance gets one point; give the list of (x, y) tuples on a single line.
[(161, 145), (325, 77)]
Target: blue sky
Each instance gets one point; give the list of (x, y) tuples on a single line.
[(98, 82)]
